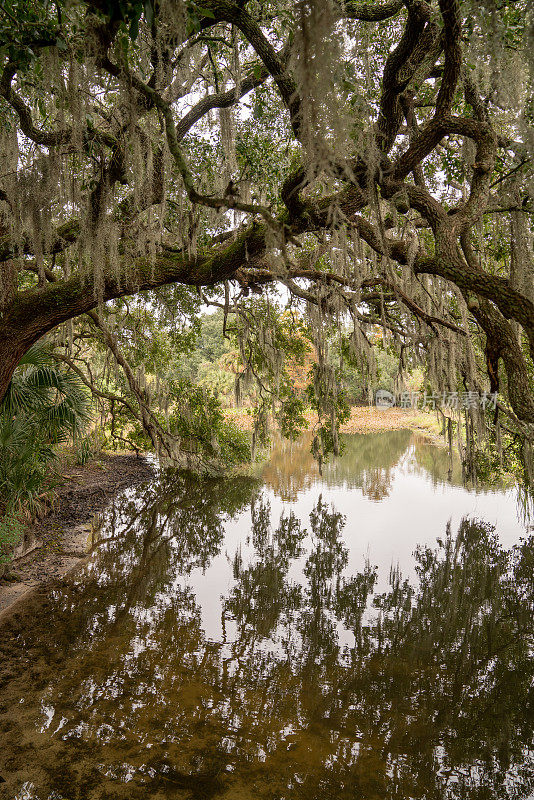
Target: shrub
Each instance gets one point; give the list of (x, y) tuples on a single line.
[(43, 406)]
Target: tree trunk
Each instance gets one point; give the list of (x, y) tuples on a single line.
[(12, 348)]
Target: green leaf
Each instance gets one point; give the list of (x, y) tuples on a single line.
[(134, 29), (206, 12), (149, 12)]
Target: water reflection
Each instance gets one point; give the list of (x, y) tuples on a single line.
[(369, 462), (318, 687)]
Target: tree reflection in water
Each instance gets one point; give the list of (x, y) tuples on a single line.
[(368, 462), (319, 688)]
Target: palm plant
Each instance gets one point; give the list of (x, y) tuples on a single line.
[(56, 397), (44, 405)]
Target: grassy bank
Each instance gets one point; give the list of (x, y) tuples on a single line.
[(363, 419)]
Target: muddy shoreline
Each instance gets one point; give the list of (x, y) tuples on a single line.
[(63, 533)]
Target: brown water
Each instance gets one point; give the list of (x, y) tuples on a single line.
[(233, 639)]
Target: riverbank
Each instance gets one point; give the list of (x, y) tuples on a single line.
[(365, 419), (59, 541), (62, 538)]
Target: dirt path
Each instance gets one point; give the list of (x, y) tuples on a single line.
[(65, 531)]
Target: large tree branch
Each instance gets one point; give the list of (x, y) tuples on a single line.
[(369, 12), (400, 66), (36, 311), (220, 100), (502, 340), (27, 125), (231, 12), (452, 26), (431, 136), (511, 303), (103, 395)]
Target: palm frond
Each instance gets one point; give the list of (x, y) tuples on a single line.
[(39, 385), (44, 405)]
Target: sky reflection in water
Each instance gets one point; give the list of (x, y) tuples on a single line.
[(232, 639)]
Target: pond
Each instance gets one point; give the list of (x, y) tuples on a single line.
[(364, 633)]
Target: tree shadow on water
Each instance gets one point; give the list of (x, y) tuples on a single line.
[(318, 687)]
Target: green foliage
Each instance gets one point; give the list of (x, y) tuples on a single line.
[(358, 379), (24, 24), (42, 407), (11, 532), (197, 46), (233, 443), (129, 13), (83, 452), (201, 361), (25, 457), (198, 421), (54, 397), (290, 414), (329, 399), (195, 418), (494, 468)]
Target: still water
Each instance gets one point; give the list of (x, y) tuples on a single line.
[(364, 633)]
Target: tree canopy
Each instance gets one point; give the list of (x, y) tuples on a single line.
[(368, 164)]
